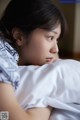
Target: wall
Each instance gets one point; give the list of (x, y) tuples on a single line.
[(3, 4), (77, 30), (70, 46), (67, 44)]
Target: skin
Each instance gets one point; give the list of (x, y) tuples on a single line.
[(9, 103), (41, 48)]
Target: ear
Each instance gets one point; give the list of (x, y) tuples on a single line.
[(18, 36)]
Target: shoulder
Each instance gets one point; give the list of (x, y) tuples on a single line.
[(8, 64), (6, 58), (7, 51)]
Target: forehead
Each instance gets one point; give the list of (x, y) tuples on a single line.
[(57, 30), (39, 31)]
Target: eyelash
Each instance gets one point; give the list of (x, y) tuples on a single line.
[(51, 37)]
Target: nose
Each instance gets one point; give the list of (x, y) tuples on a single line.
[(54, 49)]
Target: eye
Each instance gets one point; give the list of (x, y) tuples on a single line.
[(50, 38)]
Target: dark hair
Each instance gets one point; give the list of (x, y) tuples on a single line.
[(31, 14)]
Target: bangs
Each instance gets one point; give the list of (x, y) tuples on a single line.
[(53, 23), (50, 25)]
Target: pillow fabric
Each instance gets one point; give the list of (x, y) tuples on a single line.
[(56, 84)]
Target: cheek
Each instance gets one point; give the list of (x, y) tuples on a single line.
[(41, 49), (42, 46), (38, 48)]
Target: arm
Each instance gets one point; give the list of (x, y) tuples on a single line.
[(9, 103), (39, 113)]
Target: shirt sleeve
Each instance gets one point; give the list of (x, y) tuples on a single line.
[(8, 71)]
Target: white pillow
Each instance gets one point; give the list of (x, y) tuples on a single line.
[(56, 85)]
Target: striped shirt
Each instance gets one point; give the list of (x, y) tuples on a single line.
[(8, 64)]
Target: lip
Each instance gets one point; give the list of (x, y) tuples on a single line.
[(49, 59)]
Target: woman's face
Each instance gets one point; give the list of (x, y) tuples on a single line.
[(41, 48)]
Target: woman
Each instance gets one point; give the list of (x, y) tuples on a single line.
[(26, 26)]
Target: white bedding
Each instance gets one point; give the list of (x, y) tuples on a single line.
[(56, 85)]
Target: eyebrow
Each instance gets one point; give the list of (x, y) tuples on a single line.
[(55, 32)]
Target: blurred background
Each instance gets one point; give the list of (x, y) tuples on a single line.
[(70, 44)]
